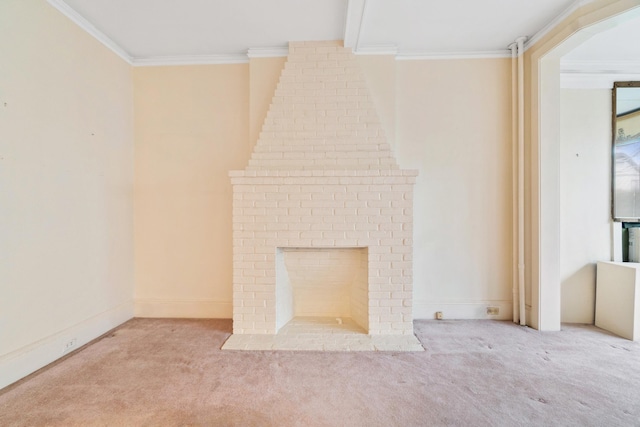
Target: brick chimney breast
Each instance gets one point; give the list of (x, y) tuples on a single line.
[(323, 176), (321, 116)]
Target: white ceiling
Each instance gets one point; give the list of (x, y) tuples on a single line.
[(147, 30), (455, 26), (152, 28)]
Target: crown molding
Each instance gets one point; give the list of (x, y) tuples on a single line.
[(591, 74), (555, 22), (600, 66), (267, 52), (155, 61), (594, 81), (493, 54), (380, 49), (74, 16)]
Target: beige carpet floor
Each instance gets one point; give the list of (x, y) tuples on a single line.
[(157, 372)]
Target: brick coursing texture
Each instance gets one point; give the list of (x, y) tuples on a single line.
[(322, 175)]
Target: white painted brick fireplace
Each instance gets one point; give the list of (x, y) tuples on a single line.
[(322, 215)]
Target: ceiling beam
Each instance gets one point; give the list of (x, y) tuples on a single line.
[(353, 23)]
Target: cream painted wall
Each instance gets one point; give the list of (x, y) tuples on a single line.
[(194, 124), (585, 203), (191, 128), (66, 174), (264, 74), (453, 122), (380, 73)]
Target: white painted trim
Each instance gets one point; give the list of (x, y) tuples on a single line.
[(410, 56), (546, 298), (594, 81), (596, 74), (267, 52), (353, 22), (381, 49), (462, 310), (600, 66), (183, 308), (555, 22), (26, 360), (80, 21), (155, 61)]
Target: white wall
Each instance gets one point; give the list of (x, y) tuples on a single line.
[(66, 172), (585, 203)]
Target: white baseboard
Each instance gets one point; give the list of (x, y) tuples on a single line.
[(22, 362), (213, 309), (183, 308), (463, 310)]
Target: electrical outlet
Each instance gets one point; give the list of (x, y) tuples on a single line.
[(69, 345), (493, 311), (439, 315)]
